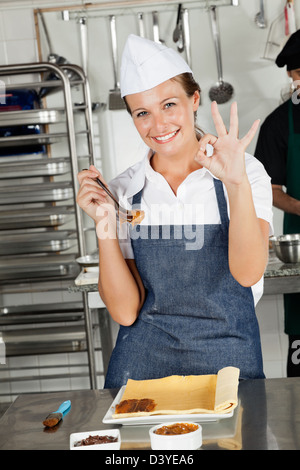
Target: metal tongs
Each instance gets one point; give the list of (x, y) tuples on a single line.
[(121, 212)]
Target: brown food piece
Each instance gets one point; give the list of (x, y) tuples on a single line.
[(92, 440), (134, 217), (177, 428), (50, 422), (134, 405)]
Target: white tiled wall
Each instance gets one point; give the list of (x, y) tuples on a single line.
[(17, 37)]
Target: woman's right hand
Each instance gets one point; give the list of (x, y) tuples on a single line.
[(90, 195)]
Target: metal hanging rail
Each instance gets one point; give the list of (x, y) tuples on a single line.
[(136, 5)]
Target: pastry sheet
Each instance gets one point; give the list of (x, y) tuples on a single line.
[(186, 394)]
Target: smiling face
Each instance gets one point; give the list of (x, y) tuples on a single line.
[(164, 117)]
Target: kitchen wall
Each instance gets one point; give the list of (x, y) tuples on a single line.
[(256, 80)]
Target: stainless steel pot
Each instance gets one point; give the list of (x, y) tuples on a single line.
[(88, 260), (287, 247)]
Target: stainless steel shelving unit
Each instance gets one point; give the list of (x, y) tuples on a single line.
[(42, 229)]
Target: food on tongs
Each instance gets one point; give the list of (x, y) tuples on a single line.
[(134, 216)]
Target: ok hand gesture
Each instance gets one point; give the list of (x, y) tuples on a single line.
[(228, 160)]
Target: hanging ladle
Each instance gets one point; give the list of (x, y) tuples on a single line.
[(260, 16), (222, 91), (178, 33)]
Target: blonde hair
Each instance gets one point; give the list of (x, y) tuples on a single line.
[(190, 86)]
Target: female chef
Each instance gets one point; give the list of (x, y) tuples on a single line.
[(184, 284)]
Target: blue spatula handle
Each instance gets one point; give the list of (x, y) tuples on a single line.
[(64, 406)]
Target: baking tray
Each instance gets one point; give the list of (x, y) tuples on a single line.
[(38, 340), (31, 117), (32, 139), (38, 268), (36, 242), (41, 313), (34, 193), (32, 168), (28, 157), (53, 216)]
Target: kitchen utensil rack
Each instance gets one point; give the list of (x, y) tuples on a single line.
[(42, 229), (128, 7)]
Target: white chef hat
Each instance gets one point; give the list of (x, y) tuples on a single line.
[(145, 64)]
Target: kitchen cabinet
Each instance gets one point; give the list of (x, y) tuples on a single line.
[(42, 230)]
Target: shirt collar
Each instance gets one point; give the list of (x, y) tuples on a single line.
[(137, 181), (144, 171)]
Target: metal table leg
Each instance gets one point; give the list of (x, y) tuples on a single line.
[(90, 342), (105, 336)]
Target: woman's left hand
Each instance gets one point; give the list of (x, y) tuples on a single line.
[(228, 160)]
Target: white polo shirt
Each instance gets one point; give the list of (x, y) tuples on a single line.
[(194, 203)]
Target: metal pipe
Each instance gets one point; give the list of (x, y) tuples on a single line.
[(88, 109)]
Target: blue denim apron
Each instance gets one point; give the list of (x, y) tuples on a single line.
[(196, 317)]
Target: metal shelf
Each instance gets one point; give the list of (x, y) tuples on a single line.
[(41, 313), (37, 269), (33, 168), (37, 198), (39, 192), (24, 218), (31, 117), (36, 242), (32, 139)]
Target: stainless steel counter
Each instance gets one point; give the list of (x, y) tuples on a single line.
[(279, 278), (268, 417)]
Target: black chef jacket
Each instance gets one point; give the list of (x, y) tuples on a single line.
[(272, 144)]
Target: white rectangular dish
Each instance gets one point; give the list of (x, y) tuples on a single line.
[(155, 419), (78, 436)]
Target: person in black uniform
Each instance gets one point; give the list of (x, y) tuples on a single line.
[(278, 148)]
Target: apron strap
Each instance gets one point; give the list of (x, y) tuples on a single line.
[(136, 200), (222, 204)]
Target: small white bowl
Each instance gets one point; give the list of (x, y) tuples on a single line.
[(188, 441), (78, 436)]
